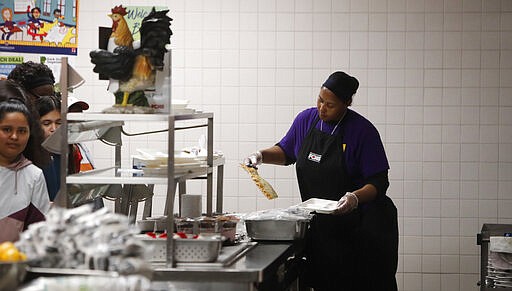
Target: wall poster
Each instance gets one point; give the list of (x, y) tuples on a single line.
[(39, 26), (7, 64)]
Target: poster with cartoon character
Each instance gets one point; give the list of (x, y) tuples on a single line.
[(39, 26)]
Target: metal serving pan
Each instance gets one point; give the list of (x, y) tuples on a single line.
[(276, 229)]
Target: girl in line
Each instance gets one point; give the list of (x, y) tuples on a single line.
[(24, 198), (34, 151), (48, 108)]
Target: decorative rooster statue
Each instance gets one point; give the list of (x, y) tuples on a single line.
[(132, 69)]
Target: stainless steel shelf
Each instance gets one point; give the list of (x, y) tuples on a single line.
[(112, 175), (135, 117)]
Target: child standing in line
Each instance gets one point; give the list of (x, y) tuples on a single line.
[(24, 198), (34, 151), (48, 108)]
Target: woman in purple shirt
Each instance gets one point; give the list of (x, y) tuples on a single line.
[(339, 156)]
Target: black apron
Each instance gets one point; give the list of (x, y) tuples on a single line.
[(356, 251)]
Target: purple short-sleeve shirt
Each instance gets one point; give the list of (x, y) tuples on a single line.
[(364, 151)]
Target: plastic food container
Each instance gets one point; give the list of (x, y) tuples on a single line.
[(208, 226), (227, 228), (186, 225), (156, 224)]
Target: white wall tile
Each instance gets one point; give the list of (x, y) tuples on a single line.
[(488, 171), (467, 282), (469, 264), (449, 282), (358, 40), (450, 208), (505, 208), (452, 78), (359, 21), (467, 245), (396, 40), (413, 226), (488, 208), (303, 22), (431, 208), (412, 263), (431, 264), (468, 227), (396, 5), (358, 59), (412, 282), (431, 227), (450, 264), (431, 189), (450, 245), (490, 41), (412, 245)]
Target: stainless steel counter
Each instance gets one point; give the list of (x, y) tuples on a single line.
[(267, 266), (262, 266)]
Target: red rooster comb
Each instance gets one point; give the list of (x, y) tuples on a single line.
[(119, 10)]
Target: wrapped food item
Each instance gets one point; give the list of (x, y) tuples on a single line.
[(79, 238), (292, 213)]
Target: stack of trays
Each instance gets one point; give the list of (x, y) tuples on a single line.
[(154, 163), (499, 268)]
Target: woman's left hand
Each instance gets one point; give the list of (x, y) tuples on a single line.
[(346, 204)]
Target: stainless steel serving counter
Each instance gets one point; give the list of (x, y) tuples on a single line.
[(266, 266)]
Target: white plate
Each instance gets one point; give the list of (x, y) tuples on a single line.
[(319, 205)]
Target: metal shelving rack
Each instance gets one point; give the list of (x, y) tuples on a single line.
[(111, 175)]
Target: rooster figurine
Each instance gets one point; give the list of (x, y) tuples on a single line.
[(133, 69)]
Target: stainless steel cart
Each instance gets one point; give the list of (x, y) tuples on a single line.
[(483, 239)]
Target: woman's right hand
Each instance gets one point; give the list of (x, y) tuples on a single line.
[(254, 160)]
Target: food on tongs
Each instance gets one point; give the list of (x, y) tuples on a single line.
[(262, 184)]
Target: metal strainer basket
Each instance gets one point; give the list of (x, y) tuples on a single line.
[(199, 250)]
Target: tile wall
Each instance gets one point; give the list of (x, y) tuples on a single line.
[(436, 80)]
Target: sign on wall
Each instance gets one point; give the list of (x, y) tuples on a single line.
[(7, 64), (39, 26)]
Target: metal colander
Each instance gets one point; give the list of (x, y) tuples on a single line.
[(199, 250)]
